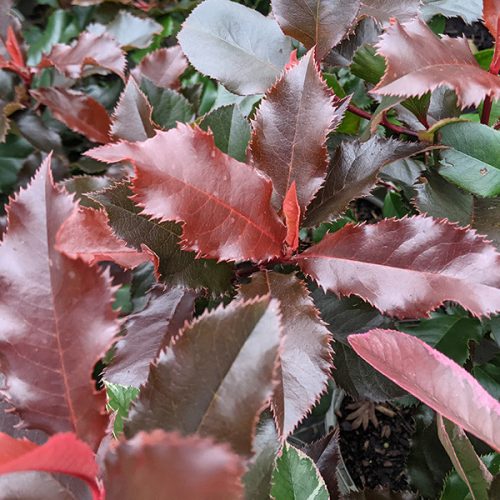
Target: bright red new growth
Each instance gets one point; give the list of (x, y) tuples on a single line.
[(291, 212), (13, 48), (62, 454)]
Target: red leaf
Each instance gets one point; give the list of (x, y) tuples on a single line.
[(418, 62), (320, 23), (148, 333), (434, 379), (182, 176), (491, 13), (13, 48), (306, 356), (163, 67), (384, 11), (77, 111), (200, 383), (62, 453), (132, 116), (57, 319), (408, 267), (293, 61), (99, 51), (160, 465), (291, 211), (290, 130), (86, 234)]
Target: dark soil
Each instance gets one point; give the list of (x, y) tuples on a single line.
[(377, 456)]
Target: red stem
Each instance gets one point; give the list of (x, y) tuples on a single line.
[(494, 70), (387, 124)]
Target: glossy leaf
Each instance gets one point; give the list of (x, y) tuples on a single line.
[(438, 198), (175, 267), (353, 172), (132, 116), (161, 466), (408, 267), (56, 318), (86, 234), (90, 51), (473, 160), (469, 10), (419, 62), (305, 360), (326, 455), (199, 384), (297, 477), (446, 387), (163, 67), (468, 465), (320, 23), (491, 13), (148, 332), (290, 130), (169, 107), (128, 30), (236, 45), (486, 219), (385, 10), (208, 203), (77, 111), (231, 130), (62, 453)]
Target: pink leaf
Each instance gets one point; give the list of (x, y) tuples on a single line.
[(434, 379)]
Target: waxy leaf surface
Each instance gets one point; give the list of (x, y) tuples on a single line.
[(306, 357), (128, 30), (175, 267), (383, 10), (320, 23), (434, 379), (418, 62), (56, 318), (408, 267), (62, 453), (161, 466), (236, 45), (148, 332), (132, 116), (200, 383), (183, 177), (296, 476), (468, 465), (86, 234), (77, 111), (96, 51), (163, 67), (290, 129), (353, 172)]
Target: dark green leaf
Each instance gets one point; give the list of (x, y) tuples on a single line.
[(120, 398)]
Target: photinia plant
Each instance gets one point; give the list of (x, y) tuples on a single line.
[(224, 257)]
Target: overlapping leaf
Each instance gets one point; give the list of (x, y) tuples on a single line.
[(77, 111), (305, 360), (128, 30), (56, 318), (148, 332), (418, 62), (86, 234), (160, 465), (446, 387), (163, 67), (353, 172), (200, 382), (384, 10), (62, 453), (182, 176), (468, 10), (175, 267), (290, 129), (89, 52), (408, 267), (132, 116), (236, 45), (320, 23)]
